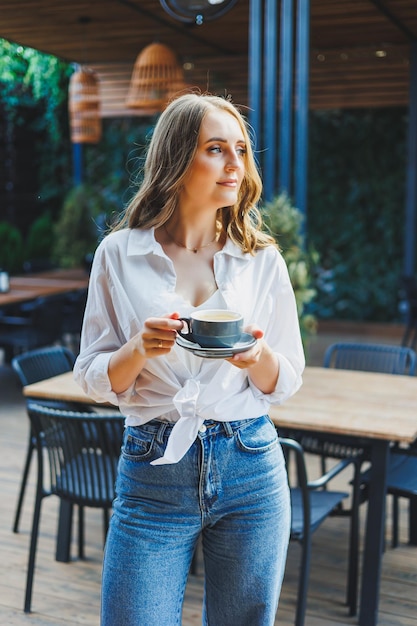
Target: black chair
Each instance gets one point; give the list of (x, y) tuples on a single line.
[(42, 326), (369, 357), (401, 483), (82, 451), (311, 505), (382, 358), (32, 367)]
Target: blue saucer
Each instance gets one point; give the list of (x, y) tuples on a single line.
[(245, 342)]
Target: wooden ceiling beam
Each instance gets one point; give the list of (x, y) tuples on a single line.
[(398, 23)]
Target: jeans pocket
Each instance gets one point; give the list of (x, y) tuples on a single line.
[(257, 436), (138, 444)]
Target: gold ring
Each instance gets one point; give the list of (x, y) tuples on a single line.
[(160, 344)]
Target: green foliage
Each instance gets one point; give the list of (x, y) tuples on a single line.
[(11, 248), (33, 113), (116, 162), (284, 221), (40, 238), (76, 232), (29, 78), (356, 211)]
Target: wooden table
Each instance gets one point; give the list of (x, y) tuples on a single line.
[(32, 286), (62, 387), (371, 409)]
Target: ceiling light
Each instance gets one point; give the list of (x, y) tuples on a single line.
[(156, 78), (197, 11), (84, 106)]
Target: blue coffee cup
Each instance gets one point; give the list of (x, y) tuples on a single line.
[(213, 328)]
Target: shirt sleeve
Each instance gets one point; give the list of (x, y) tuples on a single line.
[(282, 333), (101, 334)]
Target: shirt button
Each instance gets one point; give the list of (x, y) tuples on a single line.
[(202, 428)]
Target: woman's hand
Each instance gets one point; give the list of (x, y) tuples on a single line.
[(250, 357), (260, 360), (158, 335)]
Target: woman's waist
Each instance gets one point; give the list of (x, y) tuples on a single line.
[(154, 426)]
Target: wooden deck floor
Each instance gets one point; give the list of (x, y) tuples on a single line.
[(68, 594)]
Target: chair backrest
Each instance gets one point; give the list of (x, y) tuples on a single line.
[(43, 363), (82, 450), (370, 357)]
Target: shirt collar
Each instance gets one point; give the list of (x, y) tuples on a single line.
[(142, 241)]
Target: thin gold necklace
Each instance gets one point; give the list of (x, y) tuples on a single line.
[(195, 250)]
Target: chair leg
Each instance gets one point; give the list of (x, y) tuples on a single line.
[(63, 544), (23, 483), (303, 580), (412, 532), (81, 542), (32, 552), (323, 463), (106, 518), (395, 515)]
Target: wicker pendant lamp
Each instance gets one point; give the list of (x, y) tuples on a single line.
[(156, 77), (84, 107)]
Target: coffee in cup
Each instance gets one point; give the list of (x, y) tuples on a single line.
[(213, 328)]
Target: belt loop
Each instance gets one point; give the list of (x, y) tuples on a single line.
[(228, 429), (161, 431)]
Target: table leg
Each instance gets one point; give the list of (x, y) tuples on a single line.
[(375, 532)]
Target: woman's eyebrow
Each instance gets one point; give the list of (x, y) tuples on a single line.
[(223, 140), (216, 139)]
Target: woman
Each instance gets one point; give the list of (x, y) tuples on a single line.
[(200, 455)]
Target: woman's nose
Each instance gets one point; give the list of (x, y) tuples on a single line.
[(233, 161)]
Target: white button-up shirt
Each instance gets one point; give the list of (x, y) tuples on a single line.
[(133, 279)]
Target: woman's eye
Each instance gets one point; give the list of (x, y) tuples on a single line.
[(242, 151), (215, 149)]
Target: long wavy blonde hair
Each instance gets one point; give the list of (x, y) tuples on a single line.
[(171, 153)]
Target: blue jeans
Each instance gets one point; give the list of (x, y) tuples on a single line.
[(231, 488)]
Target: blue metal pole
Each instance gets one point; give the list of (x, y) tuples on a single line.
[(286, 95), (77, 158), (302, 88), (270, 98), (411, 183), (255, 67)]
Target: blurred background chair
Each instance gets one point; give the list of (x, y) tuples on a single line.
[(32, 367), (388, 359), (311, 505), (401, 483), (80, 451), (369, 357), (40, 326)]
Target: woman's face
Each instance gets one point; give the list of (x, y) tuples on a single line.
[(217, 170)]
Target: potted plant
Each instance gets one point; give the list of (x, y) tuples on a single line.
[(284, 221)]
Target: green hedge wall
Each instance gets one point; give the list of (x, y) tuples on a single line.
[(357, 176)]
